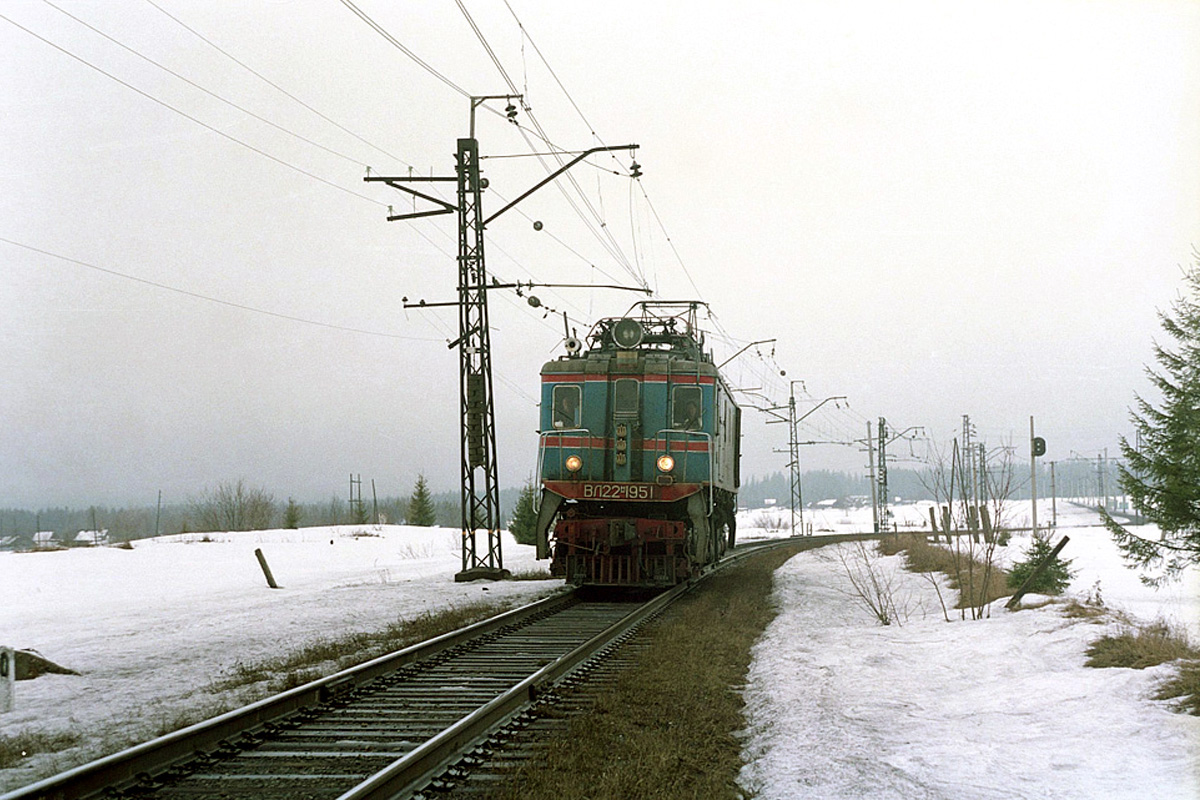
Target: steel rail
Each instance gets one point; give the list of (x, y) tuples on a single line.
[(160, 754), (417, 768)]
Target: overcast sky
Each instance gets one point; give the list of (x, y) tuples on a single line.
[(936, 208)]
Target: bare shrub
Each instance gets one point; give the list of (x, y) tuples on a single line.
[(235, 507), (874, 586), (769, 522), (970, 566)]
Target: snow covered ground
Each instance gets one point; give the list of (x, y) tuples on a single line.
[(838, 706), (151, 628), (841, 707)]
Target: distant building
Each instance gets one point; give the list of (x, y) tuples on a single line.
[(45, 540), (89, 539)]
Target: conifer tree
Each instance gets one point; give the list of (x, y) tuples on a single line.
[(524, 516), (291, 514), (420, 506), (1054, 579), (1162, 476)]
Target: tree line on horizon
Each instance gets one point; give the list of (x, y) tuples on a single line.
[(239, 505), (259, 509)]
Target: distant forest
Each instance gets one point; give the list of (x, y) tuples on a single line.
[(1081, 479), (127, 524)]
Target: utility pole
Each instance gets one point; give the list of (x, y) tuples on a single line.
[(797, 480), (1053, 499), (882, 475), (983, 478), (794, 455), (480, 491), (969, 478), (1033, 472), (871, 468), (356, 506)]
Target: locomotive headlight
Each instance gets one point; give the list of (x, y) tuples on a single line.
[(574, 463), (666, 463)]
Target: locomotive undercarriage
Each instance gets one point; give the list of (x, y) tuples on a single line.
[(641, 544)]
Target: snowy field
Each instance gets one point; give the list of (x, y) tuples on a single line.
[(151, 628), (995, 709), (838, 706)]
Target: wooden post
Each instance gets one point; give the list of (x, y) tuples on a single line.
[(1038, 570), (262, 562), (8, 677)]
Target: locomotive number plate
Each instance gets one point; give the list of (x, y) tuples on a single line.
[(619, 491)]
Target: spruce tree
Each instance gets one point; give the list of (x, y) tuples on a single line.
[(420, 506), (1054, 579), (1162, 476), (524, 516), (291, 514)]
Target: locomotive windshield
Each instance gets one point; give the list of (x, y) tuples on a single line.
[(685, 408), (566, 406)]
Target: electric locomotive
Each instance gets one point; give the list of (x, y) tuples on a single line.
[(638, 454)]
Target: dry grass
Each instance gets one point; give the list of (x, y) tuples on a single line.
[(324, 656), (17, 747), (965, 564), (666, 729), (1141, 647), (1184, 687), (1076, 609), (535, 574)]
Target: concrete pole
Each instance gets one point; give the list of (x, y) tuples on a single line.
[(1033, 475), (1053, 499), (871, 464)]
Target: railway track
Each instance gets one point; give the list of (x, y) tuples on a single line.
[(380, 730)]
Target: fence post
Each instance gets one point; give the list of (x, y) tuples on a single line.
[(262, 562), (8, 678)]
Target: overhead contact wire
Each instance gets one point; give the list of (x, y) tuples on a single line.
[(208, 92), (185, 115), (208, 298), (274, 85)]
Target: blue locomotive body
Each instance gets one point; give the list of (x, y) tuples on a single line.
[(638, 453)]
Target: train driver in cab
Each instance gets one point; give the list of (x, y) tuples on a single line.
[(566, 407), (687, 409)]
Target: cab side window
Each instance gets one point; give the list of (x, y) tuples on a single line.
[(566, 406), (686, 409)]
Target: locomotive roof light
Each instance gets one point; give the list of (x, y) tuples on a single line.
[(628, 333), (574, 463), (666, 463)]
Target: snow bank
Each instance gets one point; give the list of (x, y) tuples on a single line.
[(841, 707)]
